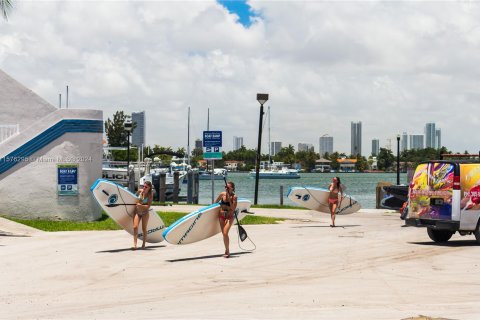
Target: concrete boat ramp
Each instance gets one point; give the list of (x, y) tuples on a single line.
[(369, 267)]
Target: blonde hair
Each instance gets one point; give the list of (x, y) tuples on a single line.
[(150, 191)]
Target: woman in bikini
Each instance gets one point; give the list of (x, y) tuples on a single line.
[(335, 188), (141, 213), (228, 204)]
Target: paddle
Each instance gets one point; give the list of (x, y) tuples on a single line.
[(241, 231), (119, 204)]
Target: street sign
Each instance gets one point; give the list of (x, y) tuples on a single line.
[(212, 156), (212, 138)]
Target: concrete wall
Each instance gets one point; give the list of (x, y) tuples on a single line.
[(30, 191), (29, 160)]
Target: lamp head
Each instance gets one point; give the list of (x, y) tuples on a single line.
[(262, 98)]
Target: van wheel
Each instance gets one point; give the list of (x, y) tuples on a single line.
[(476, 233), (439, 235)]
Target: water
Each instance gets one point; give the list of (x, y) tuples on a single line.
[(359, 185)]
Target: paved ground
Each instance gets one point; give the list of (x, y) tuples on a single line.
[(367, 268)]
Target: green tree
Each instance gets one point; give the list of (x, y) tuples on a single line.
[(286, 155), (5, 7), (385, 159), (115, 130), (362, 163), (334, 158), (306, 159)]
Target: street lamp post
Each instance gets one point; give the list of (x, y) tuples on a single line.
[(128, 126), (261, 98), (398, 159)]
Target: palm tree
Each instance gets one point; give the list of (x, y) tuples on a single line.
[(5, 7)]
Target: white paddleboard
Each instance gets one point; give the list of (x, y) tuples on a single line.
[(119, 204), (317, 199), (201, 224)]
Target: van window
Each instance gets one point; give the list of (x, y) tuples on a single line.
[(470, 186), (431, 191)]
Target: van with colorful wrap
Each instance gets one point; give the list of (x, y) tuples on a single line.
[(444, 197)]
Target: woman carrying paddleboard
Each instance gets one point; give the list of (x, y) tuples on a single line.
[(228, 204), (141, 213), (335, 188)]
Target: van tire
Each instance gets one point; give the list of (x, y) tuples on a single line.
[(476, 233), (439, 235)]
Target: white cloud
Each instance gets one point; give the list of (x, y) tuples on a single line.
[(392, 65)]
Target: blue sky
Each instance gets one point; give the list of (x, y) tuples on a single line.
[(241, 8)]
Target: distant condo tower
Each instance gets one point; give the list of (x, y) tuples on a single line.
[(430, 141), (138, 134), (375, 147), (438, 137), (326, 145), (416, 141), (275, 147), (356, 148), (237, 143), (404, 142), (305, 147)]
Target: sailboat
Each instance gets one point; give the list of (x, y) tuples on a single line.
[(276, 170)]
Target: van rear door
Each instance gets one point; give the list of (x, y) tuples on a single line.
[(431, 190)]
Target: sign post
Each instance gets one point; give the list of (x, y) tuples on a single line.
[(212, 142)]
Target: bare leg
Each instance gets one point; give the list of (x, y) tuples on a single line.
[(332, 213), (226, 239), (136, 220), (144, 228)]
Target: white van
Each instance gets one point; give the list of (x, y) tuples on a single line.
[(444, 197)]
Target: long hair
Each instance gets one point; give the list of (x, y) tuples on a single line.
[(150, 191), (338, 183), (233, 186)]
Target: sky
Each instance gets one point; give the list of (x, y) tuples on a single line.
[(392, 65)]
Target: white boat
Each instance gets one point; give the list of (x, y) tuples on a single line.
[(152, 173), (218, 174), (282, 173)]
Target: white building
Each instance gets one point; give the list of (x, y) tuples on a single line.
[(356, 138), (48, 166), (416, 141), (325, 145), (305, 147)]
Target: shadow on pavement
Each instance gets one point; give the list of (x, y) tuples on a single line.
[(450, 243), (328, 226), (232, 255), (8, 234), (130, 249)]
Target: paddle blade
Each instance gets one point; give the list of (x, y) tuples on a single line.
[(242, 233)]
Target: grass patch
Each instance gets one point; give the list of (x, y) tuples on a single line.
[(106, 223)]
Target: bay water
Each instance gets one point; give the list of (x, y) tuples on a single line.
[(362, 186)]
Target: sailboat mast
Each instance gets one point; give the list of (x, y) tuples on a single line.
[(269, 142), (188, 137)]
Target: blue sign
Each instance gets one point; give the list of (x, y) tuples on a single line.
[(67, 179), (212, 138)]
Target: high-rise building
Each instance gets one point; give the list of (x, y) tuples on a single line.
[(325, 145), (375, 147), (430, 135), (356, 148), (438, 138), (138, 134), (237, 143), (275, 147), (404, 142), (416, 141), (198, 144), (305, 147)]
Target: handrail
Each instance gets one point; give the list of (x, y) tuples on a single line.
[(8, 130)]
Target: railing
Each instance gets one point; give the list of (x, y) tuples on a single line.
[(8, 130)]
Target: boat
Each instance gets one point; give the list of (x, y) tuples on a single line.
[(218, 174), (276, 173), (154, 170)]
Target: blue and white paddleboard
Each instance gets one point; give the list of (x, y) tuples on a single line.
[(201, 224), (119, 204), (317, 199)]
